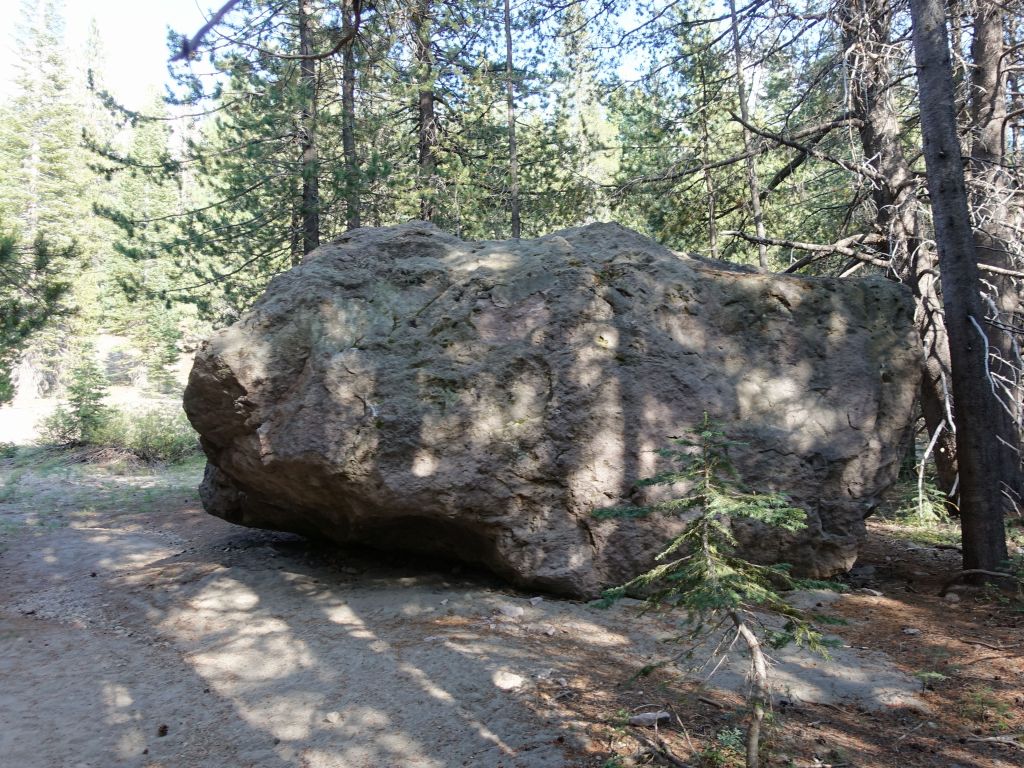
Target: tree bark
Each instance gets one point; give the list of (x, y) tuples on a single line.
[(426, 115), (348, 120), (983, 459), (994, 206), (307, 134), (755, 195), (513, 160), (709, 182), (867, 33)]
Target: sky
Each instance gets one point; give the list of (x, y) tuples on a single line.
[(134, 34)]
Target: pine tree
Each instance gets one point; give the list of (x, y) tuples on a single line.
[(43, 206)]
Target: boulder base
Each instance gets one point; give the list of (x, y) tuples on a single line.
[(407, 389)]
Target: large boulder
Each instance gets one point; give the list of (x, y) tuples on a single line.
[(404, 388)]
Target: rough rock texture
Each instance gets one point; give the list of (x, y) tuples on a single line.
[(405, 388)]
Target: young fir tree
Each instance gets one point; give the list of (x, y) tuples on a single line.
[(702, 572)]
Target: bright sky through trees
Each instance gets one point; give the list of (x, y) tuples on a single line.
[(134, 35)]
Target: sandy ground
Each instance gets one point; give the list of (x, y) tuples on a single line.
[(135, 630)]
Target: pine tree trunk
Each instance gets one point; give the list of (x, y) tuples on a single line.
[(709, 181), (867, 32), (993, 203), (348, 121), (427, 118), (307, 135), (982, 459), (755, 194), (513, 160)]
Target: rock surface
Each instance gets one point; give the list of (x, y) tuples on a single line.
[(407, 389)]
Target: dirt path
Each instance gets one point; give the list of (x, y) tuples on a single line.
[(135, 630)]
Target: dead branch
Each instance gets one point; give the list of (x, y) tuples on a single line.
[(983, 644), (814, 132), (971, 572), (817, 250), (860, 170), (658, 748), (1009, 740), (842, 247), (190, 46)]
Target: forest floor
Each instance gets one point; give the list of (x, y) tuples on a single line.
[(136, 630)]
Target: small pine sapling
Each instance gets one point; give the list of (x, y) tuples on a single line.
[(701, 571)]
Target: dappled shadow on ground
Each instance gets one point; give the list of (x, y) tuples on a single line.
[(172, 638), (120, 622)]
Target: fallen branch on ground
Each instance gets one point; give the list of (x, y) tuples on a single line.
[(1009, 740), (659, 748), (972, 572), (983, 644)]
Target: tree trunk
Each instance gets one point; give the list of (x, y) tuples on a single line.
[(513, 160), (709, 181), (867, 33), (426, 116), (993, 207), (348, 121), (755, 195), (307, 134), (982, 459)]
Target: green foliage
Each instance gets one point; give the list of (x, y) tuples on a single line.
[(726, 751), (983, 706), (153, 435), (85, 393), (59, 428), (929, 679), (159, 434), (157, 336), (700, 570), (77, 420), (920, 508), (32, 290), (919, 501)]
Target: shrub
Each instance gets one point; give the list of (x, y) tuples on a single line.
[(160, 434), (59, 428), (156, 434)]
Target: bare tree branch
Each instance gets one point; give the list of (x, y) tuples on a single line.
[(189, 47)]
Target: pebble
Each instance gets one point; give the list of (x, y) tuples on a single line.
[(512, 611), (508, 681), (872, 592), (952, 598), (911, 631), (536, 600)]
